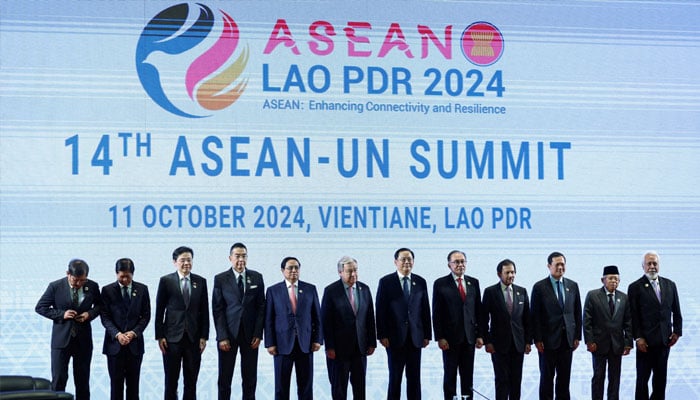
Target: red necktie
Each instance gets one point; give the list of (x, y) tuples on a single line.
[(462, 292)]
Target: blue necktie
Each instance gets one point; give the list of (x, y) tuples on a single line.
[(406, 292), (560, 295)]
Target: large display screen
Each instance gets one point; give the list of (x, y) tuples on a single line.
[(321, 129)]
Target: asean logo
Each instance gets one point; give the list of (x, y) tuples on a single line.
[(187, 63), (482, 44)]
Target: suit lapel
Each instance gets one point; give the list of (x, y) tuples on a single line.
[(343, 291), (664, 288), (602, 299), (233, 282), (649, 288), (285, 292), (619, 305), (361, 299), (567, 293), (178, 287), (516, 300), (452, 287)]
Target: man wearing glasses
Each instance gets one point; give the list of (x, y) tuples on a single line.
[(456, 316), (72, 303), (293, 330), (403, 324), (238, 305), (182, 324), (349, 330)]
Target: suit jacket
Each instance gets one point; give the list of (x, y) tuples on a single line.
[(230, 313), (396, 317), (172, 315), (608, 332), (548, 318), (282, 326), (502, 328), (652, 320), (454, 320), (57, 299), (117, 316), (346, 333)]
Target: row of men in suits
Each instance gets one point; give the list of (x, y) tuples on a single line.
[(506, 321)]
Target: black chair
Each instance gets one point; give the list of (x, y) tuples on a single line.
[(13, 387)]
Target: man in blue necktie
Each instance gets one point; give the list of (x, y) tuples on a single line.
[(556, 327)]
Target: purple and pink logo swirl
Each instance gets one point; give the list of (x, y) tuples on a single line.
[(187, 63)]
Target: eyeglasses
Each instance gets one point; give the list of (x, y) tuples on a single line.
[(458, 262), (292, 267), (239, 256), (405, 259)]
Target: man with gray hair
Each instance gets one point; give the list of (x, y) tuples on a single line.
[(347, 318), (656, 326)]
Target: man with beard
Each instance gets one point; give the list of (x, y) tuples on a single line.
[(656, 324)]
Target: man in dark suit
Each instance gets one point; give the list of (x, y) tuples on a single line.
[(607, 331), (456, 317), (71, 303), (126, 312), (347, 315), (506, 327), (182, 324), (293, 330), (238, 305), (403, 324), (657, 324), (555, 308)]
